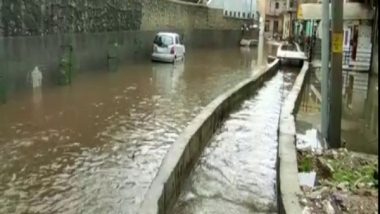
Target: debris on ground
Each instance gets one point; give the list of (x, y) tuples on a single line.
[(345, 182), (309, 142)]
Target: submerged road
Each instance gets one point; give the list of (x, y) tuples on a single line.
[(95, 146), (236, 173)]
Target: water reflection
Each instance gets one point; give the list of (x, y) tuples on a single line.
[(355, 87), (246, 57), (95, 146), (371, 129), (113, 64), (167, 76), (37, 104)]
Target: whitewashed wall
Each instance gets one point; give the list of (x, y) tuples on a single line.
[(235, 8)]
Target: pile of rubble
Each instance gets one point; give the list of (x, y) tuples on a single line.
[(338, 181)]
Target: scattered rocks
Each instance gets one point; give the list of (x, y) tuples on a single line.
[(343, 186), (325, 169), (327, 207)]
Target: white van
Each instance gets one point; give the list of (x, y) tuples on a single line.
[(291, 51), (167, 47)]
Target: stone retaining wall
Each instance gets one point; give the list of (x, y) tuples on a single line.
[(162, 14), (46, 17), (184, 153), (288, 187)]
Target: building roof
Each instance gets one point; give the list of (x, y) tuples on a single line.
[(351, 11)]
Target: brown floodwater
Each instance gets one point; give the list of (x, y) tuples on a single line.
[(95, 146), (236, 173)]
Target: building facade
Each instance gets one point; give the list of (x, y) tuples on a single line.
[(274, 10), (357, 36), (241, 9)]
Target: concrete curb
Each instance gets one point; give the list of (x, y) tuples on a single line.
[(288, 188), (184, 153)]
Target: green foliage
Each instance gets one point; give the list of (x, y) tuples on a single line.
[(305, 164), (66, 67), (353, 174), (344, 167)]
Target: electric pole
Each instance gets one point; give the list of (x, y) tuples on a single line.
[(335, 89), (325, 46)]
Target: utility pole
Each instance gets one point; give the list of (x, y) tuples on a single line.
[(325, 46), (262, 9), (335, 89)]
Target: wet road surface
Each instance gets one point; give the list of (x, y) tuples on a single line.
[(359, 110), (236, 173), (95, 146)]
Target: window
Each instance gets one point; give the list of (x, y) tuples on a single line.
[(177, 40), (243, 15), (277, 5), (238, 14), (267, 26), (230, 13), (163, 40), (225, 13), (235, 14)]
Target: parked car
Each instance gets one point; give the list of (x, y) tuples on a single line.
[(167, 47), (291, 51)]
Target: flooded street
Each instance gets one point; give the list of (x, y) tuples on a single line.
[(95, 146), (359, 110), (237, 171)]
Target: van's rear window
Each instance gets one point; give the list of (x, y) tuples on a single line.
[(163, 40)]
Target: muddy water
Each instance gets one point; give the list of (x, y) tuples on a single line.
[(236, 173), (95, 146)]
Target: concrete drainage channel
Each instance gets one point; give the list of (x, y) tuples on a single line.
[(183, 155), (288, 187)]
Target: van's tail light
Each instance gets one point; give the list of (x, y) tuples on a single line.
[(172, 50)]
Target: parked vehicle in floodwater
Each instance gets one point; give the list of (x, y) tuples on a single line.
[(291, 51), (167, 47)]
